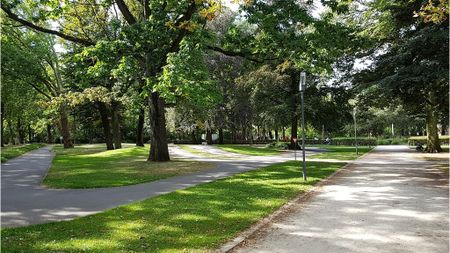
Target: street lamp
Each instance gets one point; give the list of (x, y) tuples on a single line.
[(302, 87), (354, 120)]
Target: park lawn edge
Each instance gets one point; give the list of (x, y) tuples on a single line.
[(252, 150), (107, 170), (36, 237), (21, 150)]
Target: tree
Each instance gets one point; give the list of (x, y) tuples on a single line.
[(151, 31), (31, 58), (410, 64)]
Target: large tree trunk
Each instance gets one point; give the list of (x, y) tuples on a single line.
[(30, 134), (159, 150), (49, 134), (294, 105), (433, 143), (106, 124), (117, 135), (193, 137), (65, 130), (220, 136), (209, 140), (140, 128), (294, 125), (20, 132), (2, 117), (276, 134)]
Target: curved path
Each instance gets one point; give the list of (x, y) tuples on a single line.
[(387, 201), (24, 201)]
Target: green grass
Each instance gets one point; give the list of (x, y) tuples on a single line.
[(9, 152), (249, 150), (92, 166), (199, 218), (195, 151), (341, 152)]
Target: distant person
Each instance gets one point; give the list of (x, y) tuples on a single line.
[(327, 141)]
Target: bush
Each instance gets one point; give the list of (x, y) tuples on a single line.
[(414, 140), (392, 141), (350, 141), (278, 145)]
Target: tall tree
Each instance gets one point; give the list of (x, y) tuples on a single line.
[(410, 63)]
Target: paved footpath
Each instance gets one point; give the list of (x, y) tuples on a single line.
[(388, 201), (24, 201)]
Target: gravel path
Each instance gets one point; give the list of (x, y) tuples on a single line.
[(24, 201), (388, 201)]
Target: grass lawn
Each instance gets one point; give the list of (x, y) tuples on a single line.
[(199, 218), (9, 152), (195, 151), (340, 152), (248, 150), (90, 166)]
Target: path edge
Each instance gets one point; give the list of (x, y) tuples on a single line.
[(243, 236)]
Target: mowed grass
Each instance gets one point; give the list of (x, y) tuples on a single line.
[(9, 152), (341, 152), (195, 151), (248, 150), (92, 166), (196, 219)]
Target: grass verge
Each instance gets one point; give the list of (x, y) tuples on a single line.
[(341, 152), (199, 218), (195, 151), (9, 152), (249, 150), (91, 166)]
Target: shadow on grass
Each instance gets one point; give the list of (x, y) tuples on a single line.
[(197, 218)]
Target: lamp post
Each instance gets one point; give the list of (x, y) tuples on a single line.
[(302, 87), (354, 120)]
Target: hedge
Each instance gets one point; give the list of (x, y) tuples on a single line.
[(414, 140)]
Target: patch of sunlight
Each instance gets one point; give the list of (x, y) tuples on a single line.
[(191, 217), (86, 245)]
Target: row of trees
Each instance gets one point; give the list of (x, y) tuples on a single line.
[(124, 63)]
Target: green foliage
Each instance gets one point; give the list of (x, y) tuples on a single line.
[(199, 218)]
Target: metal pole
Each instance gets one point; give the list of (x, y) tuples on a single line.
[(303, 136)]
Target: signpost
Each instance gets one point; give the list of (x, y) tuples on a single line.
[(302, 87)]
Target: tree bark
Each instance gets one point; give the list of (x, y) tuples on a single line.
[(159, 150), (270, 135), (140, 128), (294, 125), (21, 132), (117, 135), (2, 117), (209, 140), (433, 143), (220, 136), (49, 134), (30, 134), (65, 131), (193, 137), (106, 124), (276, 134)]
